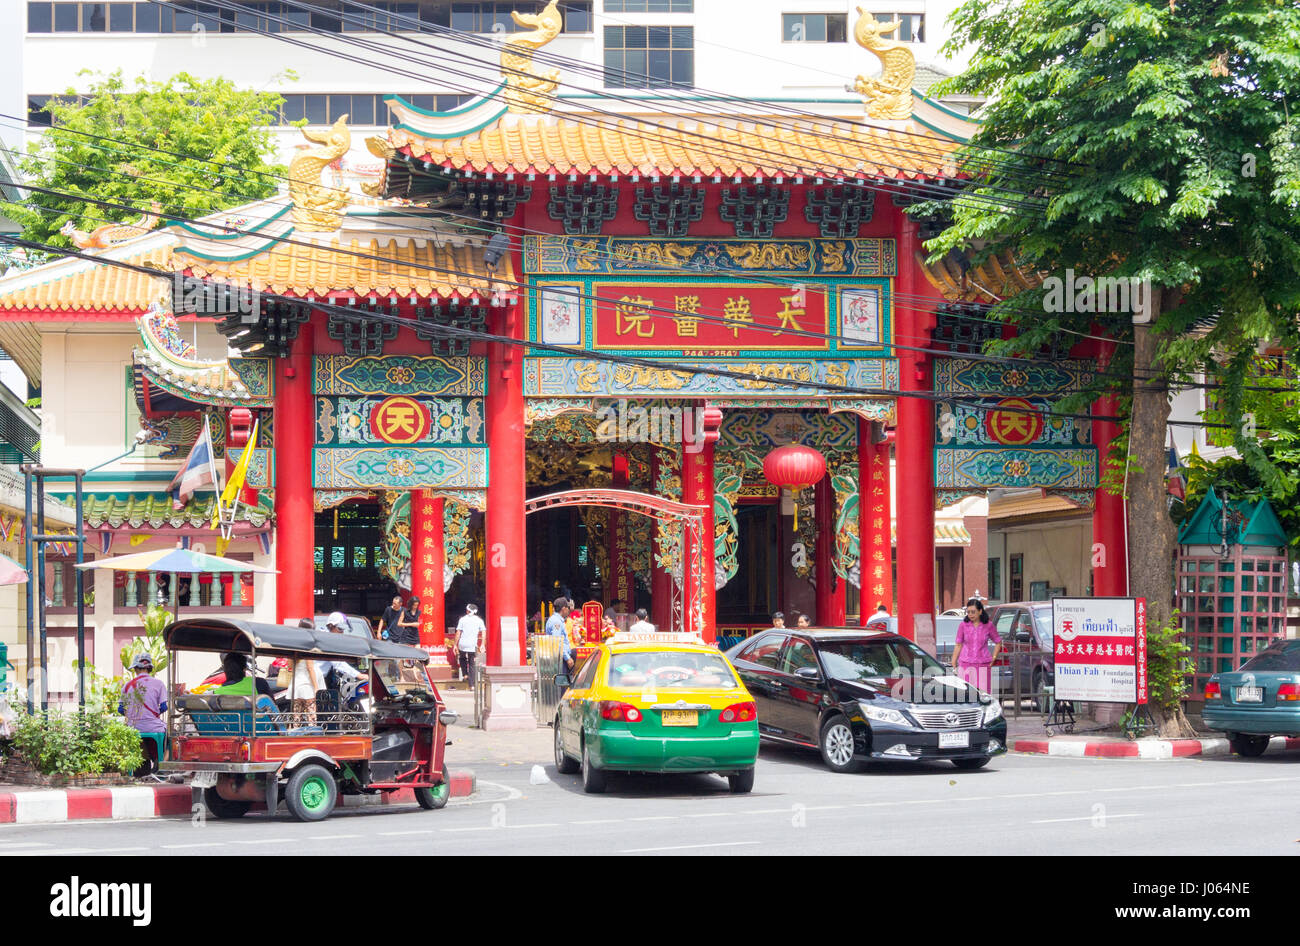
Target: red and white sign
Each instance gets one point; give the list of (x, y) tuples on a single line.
[(1100, 648)]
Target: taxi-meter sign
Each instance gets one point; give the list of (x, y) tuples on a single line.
[(399, 419)]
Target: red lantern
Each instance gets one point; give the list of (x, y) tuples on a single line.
[(794, 467)]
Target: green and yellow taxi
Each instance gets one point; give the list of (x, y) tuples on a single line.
[(656, 703)]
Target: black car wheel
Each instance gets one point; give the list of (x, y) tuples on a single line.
[(564, 764), (836, 744), (971, 763), (742, 782), (1248, 746), (593, 779), (224, 807)]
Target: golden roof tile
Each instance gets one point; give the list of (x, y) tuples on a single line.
[(81, 286)]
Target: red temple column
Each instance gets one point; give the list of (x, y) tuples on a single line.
[(697, 490), (427, 558), (620, 564), (661, 581), (508, 679), (914, 448), (830, 588), (295, 515), (875, 541), (1109, 543)]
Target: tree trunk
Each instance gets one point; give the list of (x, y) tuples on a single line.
[(1152, 536)]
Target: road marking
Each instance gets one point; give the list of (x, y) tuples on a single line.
[(686, 847), (711, 814), (331, 837), (654, 818), (13, 845), (599, 821), (266, 841), (486, 827), (396, 834), (539, 824), (178, 847), (1102, 818)]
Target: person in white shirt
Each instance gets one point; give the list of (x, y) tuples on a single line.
[(880, 617), (642, 625), (336, 624), (469, 640)]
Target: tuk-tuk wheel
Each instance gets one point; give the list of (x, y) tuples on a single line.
[(224, 807), (311, 793), (431, 799)]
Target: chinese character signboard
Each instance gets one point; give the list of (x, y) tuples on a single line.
[(1100, 649)]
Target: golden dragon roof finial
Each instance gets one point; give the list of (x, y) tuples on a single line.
[(319, 207), (528, 89), (111, 233), (890, 96)]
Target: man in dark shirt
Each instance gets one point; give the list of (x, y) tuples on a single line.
[(389, 629)]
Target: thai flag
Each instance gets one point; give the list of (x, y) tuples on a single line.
[(1175, 482), (198, 470)]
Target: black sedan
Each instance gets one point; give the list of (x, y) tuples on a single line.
[(856, 695)]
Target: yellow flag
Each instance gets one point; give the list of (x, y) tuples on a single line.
[(140, 539), (237, 476), (222, 545)]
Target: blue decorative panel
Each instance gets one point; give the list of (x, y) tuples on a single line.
[(610, 255), (758, 429), (257, 375), (1011, 467), (452, 420), (261, 467), (578, 377), (390, 467), (383, 375)]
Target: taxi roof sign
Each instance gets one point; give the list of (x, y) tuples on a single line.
[(655, 637)]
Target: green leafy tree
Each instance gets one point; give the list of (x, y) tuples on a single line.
[(1154, 140), (206, 119)]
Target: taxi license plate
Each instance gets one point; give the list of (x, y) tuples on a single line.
[(1250, 694), (954, 740), (204, 780), (681, 718)]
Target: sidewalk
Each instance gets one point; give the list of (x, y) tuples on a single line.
[(1026, 735)]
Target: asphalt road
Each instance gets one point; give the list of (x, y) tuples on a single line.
[(1018, 805)]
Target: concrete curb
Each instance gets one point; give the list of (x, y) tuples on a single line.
[(1065, 747), (48, 806)]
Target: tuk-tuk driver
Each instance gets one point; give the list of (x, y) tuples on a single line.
[(335, 624), (239, 682)]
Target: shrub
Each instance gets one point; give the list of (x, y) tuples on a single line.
[(70, 744)]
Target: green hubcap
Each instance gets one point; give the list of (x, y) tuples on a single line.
[(440, 791), (315, 793)]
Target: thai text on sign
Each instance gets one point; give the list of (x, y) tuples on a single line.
[(732, 316), (1100, 649)]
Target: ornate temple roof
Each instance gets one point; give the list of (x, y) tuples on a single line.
[(991, 281), (154, 510)]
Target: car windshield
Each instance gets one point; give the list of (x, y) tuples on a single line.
[(668, 669), (1282, 655), (861, 660), (1043, 621)]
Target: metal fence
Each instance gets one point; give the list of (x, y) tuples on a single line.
[(547, 660), (1026, 679)]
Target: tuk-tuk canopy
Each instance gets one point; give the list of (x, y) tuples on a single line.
[(243, 637)]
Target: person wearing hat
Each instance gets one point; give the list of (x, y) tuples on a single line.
[(333, 671), (469, 641), (144, 698)]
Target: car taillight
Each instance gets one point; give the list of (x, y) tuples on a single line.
[(246, 751), (1288, 692), (623, 712), (1212, 691), (739, 713)]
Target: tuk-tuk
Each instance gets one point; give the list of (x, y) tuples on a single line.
[(241, 748)]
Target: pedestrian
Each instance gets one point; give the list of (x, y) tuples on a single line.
[(307, 679), (880, 617), (144, 700), (555, 628), (410, 623), (334, 672), (971, 653), (391, 620), (778, 620), (642, 624), (469, 641)]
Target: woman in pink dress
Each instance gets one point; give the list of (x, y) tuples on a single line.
[(971, 653)]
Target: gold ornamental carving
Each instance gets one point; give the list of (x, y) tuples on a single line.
[(111, 234), (318, 207), (890, 96), (528, 89)]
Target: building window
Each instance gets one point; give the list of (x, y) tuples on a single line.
[(121, 17), (1017, 582), (37, 116), (40, 17), (649, 6), (67, 17), (911, 26), (494, 17), (814, 27), (995, 578), (649, 57)]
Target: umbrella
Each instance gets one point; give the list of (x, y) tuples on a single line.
[(11, 573), (177, 560)]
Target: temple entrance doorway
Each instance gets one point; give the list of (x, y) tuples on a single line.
[(349, 555)]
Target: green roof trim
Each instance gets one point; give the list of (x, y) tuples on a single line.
[(243, 231), (1260, 526), (459, 110), (236, 258), (154, 511)]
